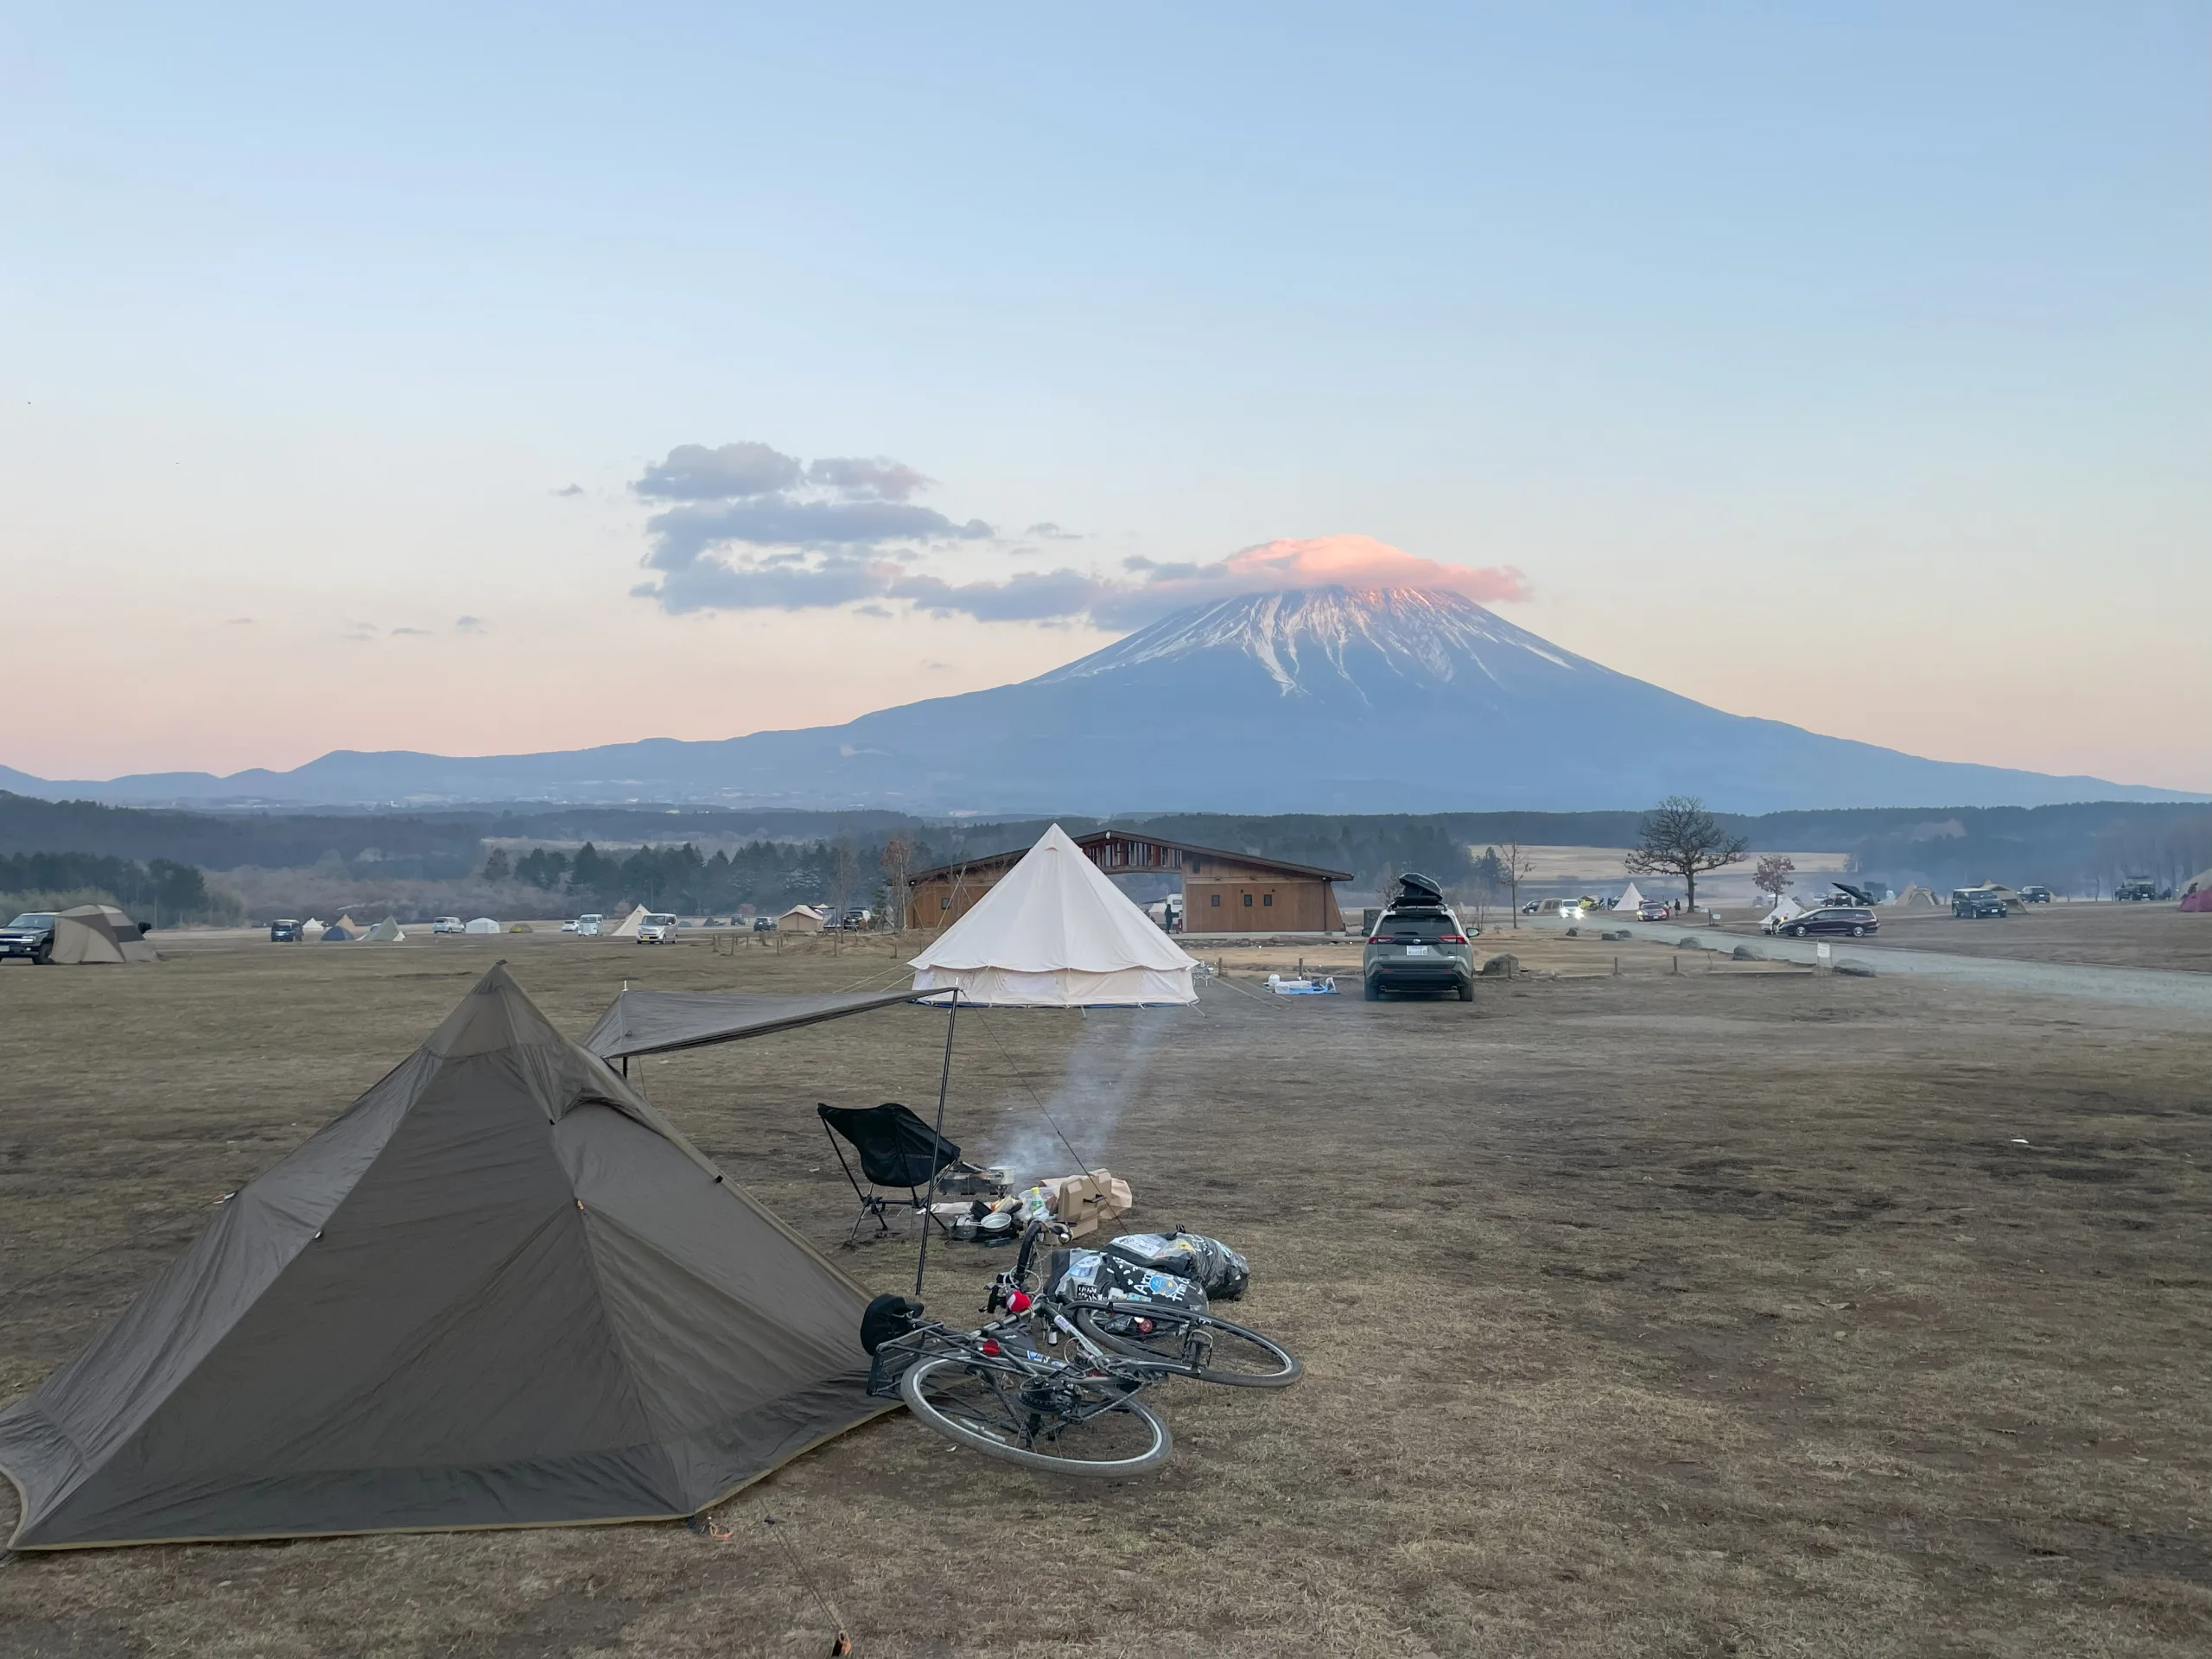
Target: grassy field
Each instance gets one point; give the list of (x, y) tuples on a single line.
[(1721, 1312)]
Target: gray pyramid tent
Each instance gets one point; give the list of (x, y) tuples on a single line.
[(499, 1290)]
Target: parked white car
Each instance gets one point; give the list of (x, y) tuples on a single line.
[(448, 924), (658, 928), (588, 926), (1571, 913)]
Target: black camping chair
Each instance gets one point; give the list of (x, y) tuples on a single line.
[(896, 1148)]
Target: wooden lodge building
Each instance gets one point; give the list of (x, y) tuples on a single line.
[(1222, 893)]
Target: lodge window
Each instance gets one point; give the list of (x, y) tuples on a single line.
[(1248, 901), (1215, 900), (1267, 900), (945, 902)]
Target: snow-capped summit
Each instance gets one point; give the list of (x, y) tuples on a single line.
[(1308, 638)]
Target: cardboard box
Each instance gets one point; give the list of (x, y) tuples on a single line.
[(1082, 1202)]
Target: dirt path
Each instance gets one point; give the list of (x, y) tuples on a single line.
[(2187, 995)]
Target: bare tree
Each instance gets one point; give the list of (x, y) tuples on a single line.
[(1774, 874), (896, 854), (1514, 867), (1679, 837)]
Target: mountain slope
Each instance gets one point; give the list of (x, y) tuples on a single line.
[(1327, 699)]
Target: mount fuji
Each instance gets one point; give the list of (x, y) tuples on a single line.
[(1320, 700)]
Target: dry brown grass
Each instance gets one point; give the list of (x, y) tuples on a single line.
[(1699, 1314)]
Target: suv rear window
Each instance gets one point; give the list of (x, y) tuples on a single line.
[(1414, 930)]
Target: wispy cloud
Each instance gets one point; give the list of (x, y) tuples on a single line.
[(470, 625), (240, 622), (573, 489), (748, 527), (400, 633), (751, 528)]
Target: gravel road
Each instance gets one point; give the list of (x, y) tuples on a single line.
[(2143, 988)]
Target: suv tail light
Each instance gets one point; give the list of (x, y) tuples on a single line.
[(1450, 939)]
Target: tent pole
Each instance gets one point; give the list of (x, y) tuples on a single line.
[(937, 1143)]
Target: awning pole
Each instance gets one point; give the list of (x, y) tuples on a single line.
[(936, 1142)]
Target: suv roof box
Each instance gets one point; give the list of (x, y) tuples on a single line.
[(1414, 888)]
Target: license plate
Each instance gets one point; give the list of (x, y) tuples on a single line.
[(1416, 950)]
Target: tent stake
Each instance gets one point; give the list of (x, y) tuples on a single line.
[(936, 1142)]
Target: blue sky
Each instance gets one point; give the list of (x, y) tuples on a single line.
[(1768, 346)]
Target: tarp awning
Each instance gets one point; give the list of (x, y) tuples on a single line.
[(653, 1022)]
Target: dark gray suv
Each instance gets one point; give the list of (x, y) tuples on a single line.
[(1419, 946)]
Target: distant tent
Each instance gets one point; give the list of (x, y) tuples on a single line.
[(499, 1290), (1785, 909), (337, 933), (2199, 902), (386, 931), (311, 930), (89, 933), (1917, 897), (2201, 883), (348, 922), (801, 918), (482, 925), (627, 927), (1053, 932), (1629, 899)]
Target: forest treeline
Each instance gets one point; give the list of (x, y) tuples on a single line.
[(703, 859), (161, 891)]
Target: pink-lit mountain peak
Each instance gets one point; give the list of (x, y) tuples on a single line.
[(1338, 633)]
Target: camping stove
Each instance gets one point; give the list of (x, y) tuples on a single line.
[(972, 1181)]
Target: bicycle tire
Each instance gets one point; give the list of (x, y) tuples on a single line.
[(913, 1387), (1091, 1322)]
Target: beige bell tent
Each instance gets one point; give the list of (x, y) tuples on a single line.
[(801, 918), (1917, 897), (482, 925), (1053, 932), (346, 921), (311, 930), (91, 933), (627, 927), (386, 931), (1786, 909), (1631, 901), (499, 1290)]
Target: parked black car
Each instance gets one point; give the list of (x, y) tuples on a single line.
[(1973, 904), (30, 936), (2035, 895), (285, 931), (1853, 920)]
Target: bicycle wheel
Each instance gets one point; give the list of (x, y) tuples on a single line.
[(1192, 1344), (1068, 1425)]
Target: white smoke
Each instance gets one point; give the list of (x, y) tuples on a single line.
[(1106, 1071)]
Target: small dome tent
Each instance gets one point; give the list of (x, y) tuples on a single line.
[(93, 933), (482, 925)]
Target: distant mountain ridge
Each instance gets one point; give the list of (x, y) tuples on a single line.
[(1326, 699)]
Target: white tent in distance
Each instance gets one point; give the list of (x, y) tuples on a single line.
[(1055, 933)]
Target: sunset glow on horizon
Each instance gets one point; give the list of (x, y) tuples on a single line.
[(568, 400)]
